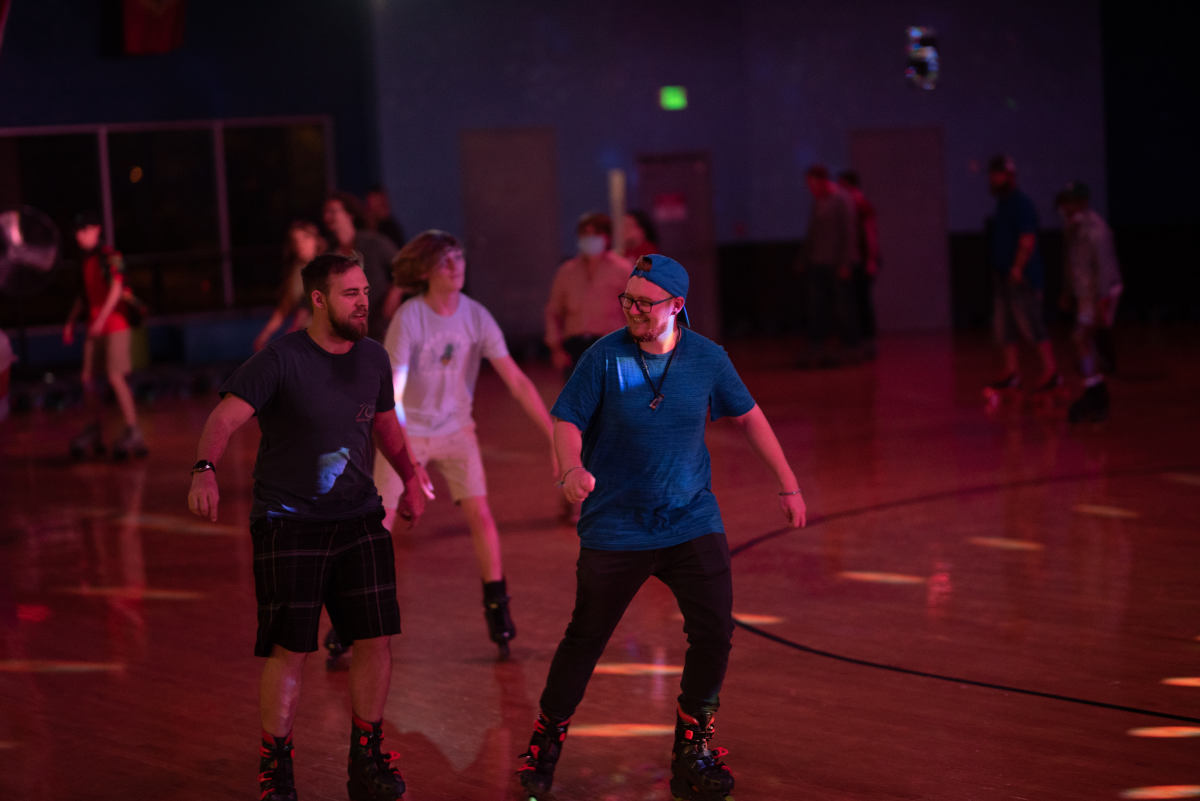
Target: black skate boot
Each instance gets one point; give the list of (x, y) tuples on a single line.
[(275, 781), (495, 612), (87, 442), (545, 745), (373, 773), (697, 772), (1010, 381), (1091, 406), (1050, 384), (130, 443), (335, 649)]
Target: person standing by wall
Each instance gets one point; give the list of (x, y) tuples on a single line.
[(379, 218), (866, 268), (830, 252), (641, 237), (582, 306), (1094, 284), (344, 217), (1018, 278)]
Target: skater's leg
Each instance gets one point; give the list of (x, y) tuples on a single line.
[(606, 582), (370, 677), (485, 538), (699, 575), (119, 363), (279, 690), (1049, 364)]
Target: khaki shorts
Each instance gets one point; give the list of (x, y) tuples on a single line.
[(116, 353), (456, 456)]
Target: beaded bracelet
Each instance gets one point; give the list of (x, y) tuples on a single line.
[(793, 492)]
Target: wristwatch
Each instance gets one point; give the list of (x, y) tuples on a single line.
[(203, 466)]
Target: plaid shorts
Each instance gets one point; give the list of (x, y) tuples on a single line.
[(347, 566)]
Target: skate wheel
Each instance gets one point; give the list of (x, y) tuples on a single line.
[(505, 651)]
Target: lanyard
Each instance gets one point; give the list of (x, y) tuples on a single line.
[(658, 396)]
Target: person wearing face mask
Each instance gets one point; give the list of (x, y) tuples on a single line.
[(581, 308), (1094, 279)]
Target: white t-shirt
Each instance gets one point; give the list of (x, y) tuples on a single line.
[(436, 359)]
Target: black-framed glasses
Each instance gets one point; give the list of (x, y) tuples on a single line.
[(639, 305)]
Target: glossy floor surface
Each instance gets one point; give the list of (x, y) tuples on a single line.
[(982, 606)]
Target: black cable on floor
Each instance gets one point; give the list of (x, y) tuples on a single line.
[(938, 676)]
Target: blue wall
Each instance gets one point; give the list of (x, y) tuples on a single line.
[(60, 64), (773, 86)]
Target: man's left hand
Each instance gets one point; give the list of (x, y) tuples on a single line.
[(794, 509), (417, 489)]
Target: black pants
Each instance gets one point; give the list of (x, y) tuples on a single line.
[(832, 308), (697, 573)]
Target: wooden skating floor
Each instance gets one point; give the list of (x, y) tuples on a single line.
[(982, 607)]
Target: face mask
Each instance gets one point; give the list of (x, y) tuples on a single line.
[(591, 245)]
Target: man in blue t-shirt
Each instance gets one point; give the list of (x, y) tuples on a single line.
[(316, 519), (629, 434), (1018, 278)]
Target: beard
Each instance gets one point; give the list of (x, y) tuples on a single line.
[(351, 329), (646, 332)]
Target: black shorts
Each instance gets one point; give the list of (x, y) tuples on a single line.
[(347, 566)]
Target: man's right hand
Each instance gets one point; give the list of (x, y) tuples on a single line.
[(204, 496), (578, 484)]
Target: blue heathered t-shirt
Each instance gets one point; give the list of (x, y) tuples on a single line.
[(316, 410), (653, 481), (1016, 215)]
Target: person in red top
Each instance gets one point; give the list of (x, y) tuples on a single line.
[(108, 332)]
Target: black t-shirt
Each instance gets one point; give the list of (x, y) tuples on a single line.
[(316, 411)]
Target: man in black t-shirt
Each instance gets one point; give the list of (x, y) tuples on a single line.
[(321, 396)]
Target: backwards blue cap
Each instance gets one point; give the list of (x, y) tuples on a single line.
[(664, 272)]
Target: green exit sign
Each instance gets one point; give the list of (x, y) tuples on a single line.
[(672, 98)]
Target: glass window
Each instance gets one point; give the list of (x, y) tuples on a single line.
[(275, 175)]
